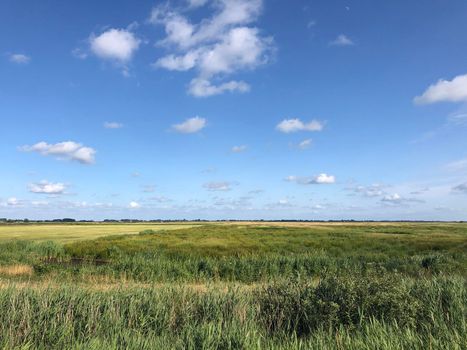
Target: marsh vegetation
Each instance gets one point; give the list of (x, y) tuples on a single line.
[(242, 286)]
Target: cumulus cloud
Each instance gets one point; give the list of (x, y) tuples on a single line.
[(454, 90), (134, 205), (46, 187), (215, 47), (113, 125), (294, 125), (68, 150), (190, 125), (321, 179), (462, 188), (239, 149), (19, 58), (218, 186), (115, 44), (342, 40)]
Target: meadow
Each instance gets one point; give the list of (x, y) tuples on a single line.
[(233, 286)]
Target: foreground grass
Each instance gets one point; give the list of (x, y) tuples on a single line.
[(324, 286), (344, 313)]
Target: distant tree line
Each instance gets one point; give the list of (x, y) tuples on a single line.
[(71, 220)]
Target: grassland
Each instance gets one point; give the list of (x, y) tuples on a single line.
[(78, 231), (234, 286)]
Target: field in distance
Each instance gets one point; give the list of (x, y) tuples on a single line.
[(65, 232)]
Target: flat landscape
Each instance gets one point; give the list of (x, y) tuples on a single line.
[(78, 231), (241, 285)]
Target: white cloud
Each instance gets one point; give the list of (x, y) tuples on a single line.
[(217, 186), (79, 53), (134, 205), (239, 149), (13, 202), (190, 125), (215, 47), (392, 198), (321, 179), (305, 144), (19, 58), (342, 40), (375, 190), (178, 63), (397, 199), (46, 187), (68, 150), (294, 125), (113, 125), (115, 44), (454, 90), (204, 88)]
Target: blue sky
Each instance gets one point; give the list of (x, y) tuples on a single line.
[(233, 109)]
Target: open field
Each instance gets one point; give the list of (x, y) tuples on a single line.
[(234, 286), (60, 232)]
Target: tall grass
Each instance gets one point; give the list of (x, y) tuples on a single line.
[(240, 287), (335, 313)]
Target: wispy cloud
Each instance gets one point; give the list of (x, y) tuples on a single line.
[(375, 190), (342, 40), (305, 144), (239, 149), (113, 125), (321, 179), (397, 199), (190, 125), (218, 186), (20, 58), (295, 124), (149, 188), (457, 165)]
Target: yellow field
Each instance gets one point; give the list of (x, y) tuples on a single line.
[(65, 232)]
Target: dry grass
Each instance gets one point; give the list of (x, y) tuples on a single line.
[(16, 270), (65, 232)]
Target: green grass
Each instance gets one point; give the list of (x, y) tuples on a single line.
[(337, 313), (235, 286), (221, 240)]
